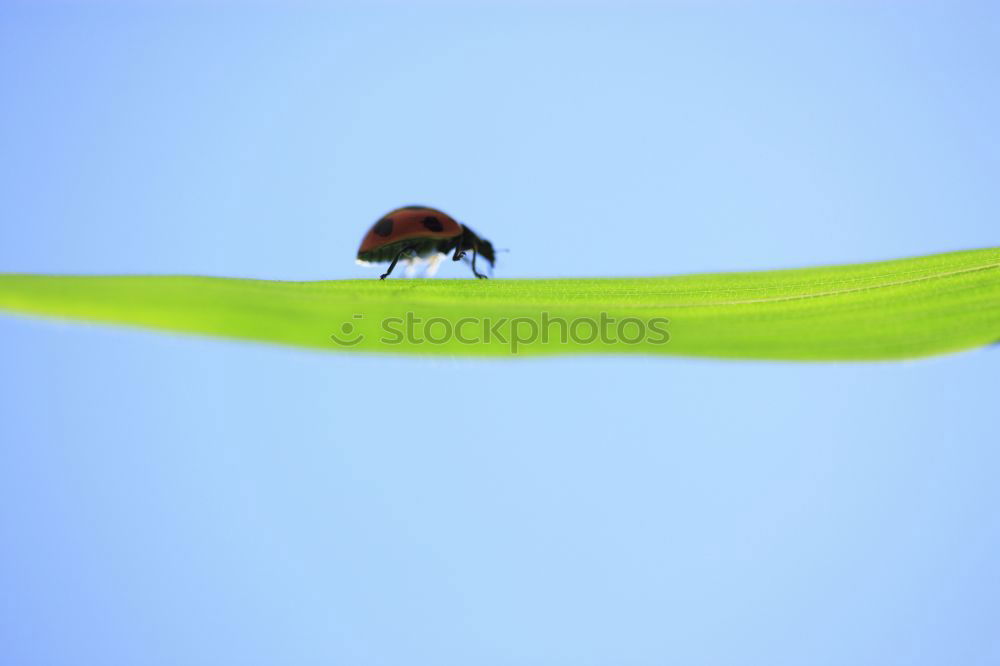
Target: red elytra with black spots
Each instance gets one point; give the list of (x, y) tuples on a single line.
[(421, 231)]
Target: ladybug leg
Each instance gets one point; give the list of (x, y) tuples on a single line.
[(462, 245), (474, 271), (395, 259), (460, 249)]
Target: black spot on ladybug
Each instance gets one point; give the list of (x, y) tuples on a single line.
[(433, 223), (383, 227)]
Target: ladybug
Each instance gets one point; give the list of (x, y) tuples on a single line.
[(421, 231)]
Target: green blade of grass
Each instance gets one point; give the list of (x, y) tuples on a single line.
[(886, 310)]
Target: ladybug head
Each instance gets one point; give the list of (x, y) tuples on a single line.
[(470, 240), (486, 251)]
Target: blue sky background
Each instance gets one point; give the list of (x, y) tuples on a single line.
[(170, 500)]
